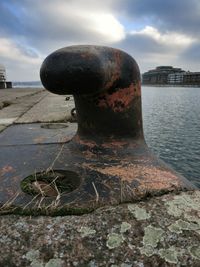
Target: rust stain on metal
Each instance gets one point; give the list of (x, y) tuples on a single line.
[(120, 100), (64, 139), (6, 169), (39, 139), (84, 142), (148, 178), (115, 144)]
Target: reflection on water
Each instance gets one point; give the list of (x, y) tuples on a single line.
[(171, 119)]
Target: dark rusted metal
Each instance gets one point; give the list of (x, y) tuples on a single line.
[(67, 98), (108, 153), (73, 113)]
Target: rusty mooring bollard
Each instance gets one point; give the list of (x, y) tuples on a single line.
[(107, 161), (112, 157)]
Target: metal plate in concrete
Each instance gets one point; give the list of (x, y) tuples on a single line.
[(38, 133)]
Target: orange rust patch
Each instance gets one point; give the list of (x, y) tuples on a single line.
[(39, 140), (89, 154), (120, 100), (115, 144), (84, 142), (6, 169), (149, 178), (65, 139)]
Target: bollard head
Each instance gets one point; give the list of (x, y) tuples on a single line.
[(106, 86), (88, 69)]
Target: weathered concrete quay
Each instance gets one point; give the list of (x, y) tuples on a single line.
[(151, 218), (31, 105)]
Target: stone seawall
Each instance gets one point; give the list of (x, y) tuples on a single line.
[(161, 231)]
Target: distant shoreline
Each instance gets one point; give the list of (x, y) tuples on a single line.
[(27, 86), (170, 85), (31, 84)]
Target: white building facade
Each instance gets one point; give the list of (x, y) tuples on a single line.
[(176, 78), (2, 73)]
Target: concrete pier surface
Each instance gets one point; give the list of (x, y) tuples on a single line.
[(157, 231), (28, 105)]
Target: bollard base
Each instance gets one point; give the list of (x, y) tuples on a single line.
[(75, 176)]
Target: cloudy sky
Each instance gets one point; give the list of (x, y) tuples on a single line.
[(154, 32)]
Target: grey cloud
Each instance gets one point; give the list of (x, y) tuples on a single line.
[(150, 53), (18, 71), (44, 28), (143, 44), (190, 58), (192, 53), (37, 29), (173, 15)]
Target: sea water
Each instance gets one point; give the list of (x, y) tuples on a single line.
[(171, 121)]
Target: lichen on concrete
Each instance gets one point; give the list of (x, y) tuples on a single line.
[(195, 252), (180, 225), (170, 255), (33, 256), (86, 231), (114, 240), (139, 213), (125, 227), (182, 204), (54, 263), (152, 236), (147, 250)]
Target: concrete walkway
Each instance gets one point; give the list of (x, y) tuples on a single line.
[(32, 105)]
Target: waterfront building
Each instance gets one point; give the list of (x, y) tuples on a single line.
[(191, 78), (3, 83), (159, 75)]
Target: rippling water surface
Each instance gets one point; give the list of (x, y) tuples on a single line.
[(171, 119)]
